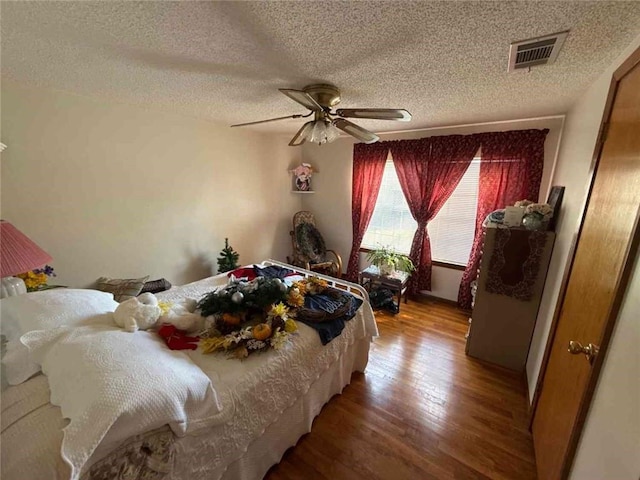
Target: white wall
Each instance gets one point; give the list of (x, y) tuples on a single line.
[(331, 202), (610, 442), (572, 170), (115, 190)]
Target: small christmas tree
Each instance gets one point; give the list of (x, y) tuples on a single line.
[(228, 259)]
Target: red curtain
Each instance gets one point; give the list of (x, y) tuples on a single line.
[(510, 170), (429, 170), (368, 167)]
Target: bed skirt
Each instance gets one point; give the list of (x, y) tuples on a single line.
[(296, 421)]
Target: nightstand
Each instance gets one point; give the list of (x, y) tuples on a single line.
[(371, 278)]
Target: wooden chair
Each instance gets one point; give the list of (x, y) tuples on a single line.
[(309, 249)]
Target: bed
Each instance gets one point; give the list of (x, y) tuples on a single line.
[(267, 402)]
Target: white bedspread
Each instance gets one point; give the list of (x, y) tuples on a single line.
[(253, 392), (113, 384), (259, 388)]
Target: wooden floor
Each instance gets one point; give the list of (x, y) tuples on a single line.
[(421, 410)]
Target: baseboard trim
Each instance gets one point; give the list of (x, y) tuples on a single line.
[(529, 400), (425, 297)]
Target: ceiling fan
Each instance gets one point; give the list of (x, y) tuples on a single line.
[(320, 99)]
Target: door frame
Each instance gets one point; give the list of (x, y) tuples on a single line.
[(620, 288)]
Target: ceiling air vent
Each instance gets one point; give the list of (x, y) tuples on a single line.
[(535, 51)]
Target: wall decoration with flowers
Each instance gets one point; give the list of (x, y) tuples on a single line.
[(302, 178)]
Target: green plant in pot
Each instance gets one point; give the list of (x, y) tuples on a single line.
[(388, 261)]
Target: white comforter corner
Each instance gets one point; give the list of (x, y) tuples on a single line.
[(112, 385)]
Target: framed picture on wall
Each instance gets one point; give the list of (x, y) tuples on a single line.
[(554, 201)]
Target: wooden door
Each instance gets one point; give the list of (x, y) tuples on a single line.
[(607, 241)]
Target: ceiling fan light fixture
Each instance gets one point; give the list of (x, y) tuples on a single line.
[(323, 132), (332, 132)]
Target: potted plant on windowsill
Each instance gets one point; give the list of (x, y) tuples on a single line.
[(388, 261)]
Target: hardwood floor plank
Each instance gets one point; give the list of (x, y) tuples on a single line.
[(422, 410)]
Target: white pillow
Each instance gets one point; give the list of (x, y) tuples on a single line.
[(54, 308), (44, 311)]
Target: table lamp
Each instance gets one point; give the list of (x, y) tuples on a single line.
[(18, 254)]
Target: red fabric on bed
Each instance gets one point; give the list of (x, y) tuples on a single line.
[(177, 339)]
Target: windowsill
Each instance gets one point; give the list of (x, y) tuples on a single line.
[(452, 266), (435, 263)]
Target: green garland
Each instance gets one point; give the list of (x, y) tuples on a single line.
[(256, 295), (248, 317)]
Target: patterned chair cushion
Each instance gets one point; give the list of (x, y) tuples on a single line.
[(310, 242)]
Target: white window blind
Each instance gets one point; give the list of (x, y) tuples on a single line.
[(451, 232), (391, 224)]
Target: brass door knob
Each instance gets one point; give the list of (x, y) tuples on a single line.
[(590, 351)]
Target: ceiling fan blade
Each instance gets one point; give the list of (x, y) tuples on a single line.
[(297, 115), (354, 130), (301, 136), (399, 114), (303, 98)]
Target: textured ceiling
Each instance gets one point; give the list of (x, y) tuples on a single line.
[(445, 62)]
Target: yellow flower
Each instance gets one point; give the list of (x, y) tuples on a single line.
[(295, 299), (316, 285), (33, 280), (301, 286), (165, 307), (278, 310), (290, 326)]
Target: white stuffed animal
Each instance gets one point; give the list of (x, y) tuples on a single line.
[(138, 313), (181, 315)]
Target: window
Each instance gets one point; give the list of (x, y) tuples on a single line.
[(451, 232)]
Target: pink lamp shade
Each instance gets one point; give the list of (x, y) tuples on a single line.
[(18, 254)]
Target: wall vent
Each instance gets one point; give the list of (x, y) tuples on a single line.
[(535, 51)]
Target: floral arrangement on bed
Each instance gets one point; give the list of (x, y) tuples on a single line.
[(254, 316)]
